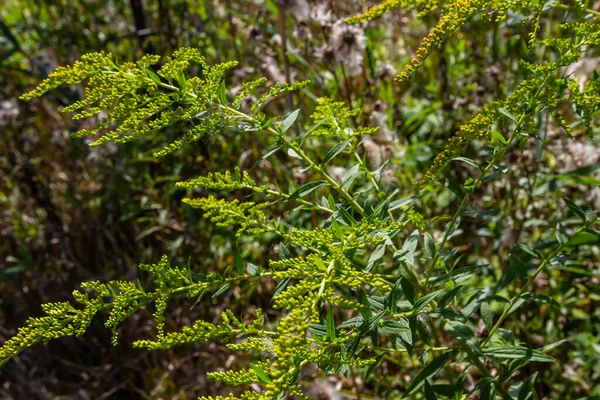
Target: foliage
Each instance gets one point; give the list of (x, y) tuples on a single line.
[(370, 271)]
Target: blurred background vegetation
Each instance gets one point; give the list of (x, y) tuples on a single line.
[(70, 214)]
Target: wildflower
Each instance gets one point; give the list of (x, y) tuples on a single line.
[(254, 34), (326, 53), (276, 39), (386, 72), (301, 31), (42, 64), (298, 8), (272, 71), (321, 14), (373, 152), (349, 44), (8, 111), (379, 118)]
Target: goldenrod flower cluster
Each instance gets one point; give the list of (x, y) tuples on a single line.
[(247, 217)]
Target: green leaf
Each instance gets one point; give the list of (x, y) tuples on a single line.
[(272, 6), (331, 335), (552, 346), (260, 373), (292, 153), (352, 345), (467, 161), (561, 233), (371, 324), (237, 259), (428, 371), (459, 330), (458, 275), (318, 329), (222, 290), (487, 315), (406, 201), (517, 352), (284, 253), (352, 322), (408, 289), (361, 297), (222, 94), (453, 187), (527, 389), (155, 78), (585, 238), (407, 253), (377, 253), (444, 389), (395, 327), (289, 120), (507, 113), (529, 250), (306, 189), (448, 297), (425, 300), (430, 245), (253, 269), (311, 130), (518, 303), (498, 136), (265, 156), (281, 286), (335, 151), (8, 34), (583, 179), (469, 185), (372, 367), (393, 297), (518, 267), (350, 176), (423, 331), (429, 392), (575, 209), (539, 298)]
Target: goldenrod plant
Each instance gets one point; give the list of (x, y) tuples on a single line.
[(368, 275)]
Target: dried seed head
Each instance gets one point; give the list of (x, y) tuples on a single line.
[(321, 14), (302, 32), (386, 72), (349, 43)]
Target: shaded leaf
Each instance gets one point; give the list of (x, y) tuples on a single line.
[(260, 373), (289, 120), (331, 335), (458, 275), (517, 352), (335, 151), (428, 371), (306, 189)]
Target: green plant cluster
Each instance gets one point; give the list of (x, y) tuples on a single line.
[(373, 278)]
